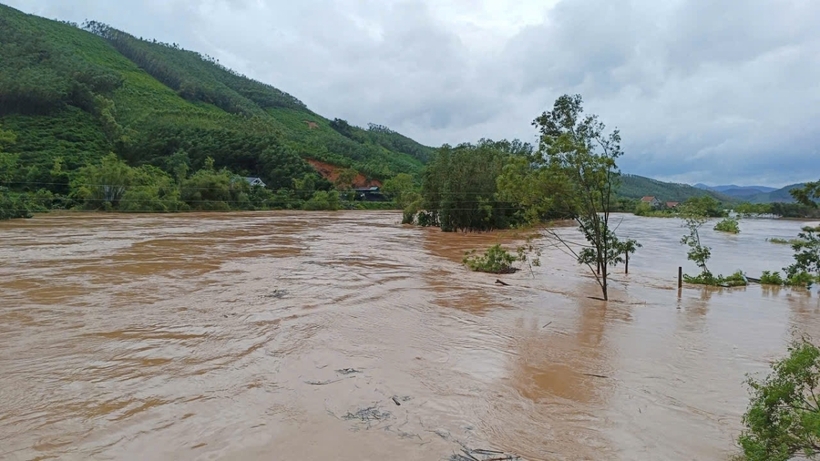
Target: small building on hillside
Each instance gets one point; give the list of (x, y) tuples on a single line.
[(672, 204), (370, 194), (652, 201), (254, 181)]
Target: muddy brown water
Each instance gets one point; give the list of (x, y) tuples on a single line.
[(286, 336)]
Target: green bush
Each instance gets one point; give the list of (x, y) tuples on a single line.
[(729, 225), (783, 417), (706, 278), (13, 205), (495, 260), (323, 200), (800, 279), (771, 278), (780, 241)]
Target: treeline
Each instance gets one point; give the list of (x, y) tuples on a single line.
[(112, 185), (487, 185), (786, 210)]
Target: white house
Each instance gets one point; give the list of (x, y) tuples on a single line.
[(253, 181)]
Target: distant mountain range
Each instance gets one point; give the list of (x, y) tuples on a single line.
[(634, 187), (753, 194)]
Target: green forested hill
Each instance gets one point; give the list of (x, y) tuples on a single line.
[(635, 187), (72, 95), (780, 195)]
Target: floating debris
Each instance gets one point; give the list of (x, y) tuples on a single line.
[(323, 383), (278, 294), (368, 414), (483, 455), (348, 371)]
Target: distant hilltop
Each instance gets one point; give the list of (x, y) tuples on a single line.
[(754, 194)]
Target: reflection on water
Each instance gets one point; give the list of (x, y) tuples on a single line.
[(288, 336)]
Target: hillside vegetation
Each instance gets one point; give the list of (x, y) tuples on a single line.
[(69, 96), (635, 187)]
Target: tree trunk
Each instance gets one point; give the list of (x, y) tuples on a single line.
[(626, 270), (604, 284)]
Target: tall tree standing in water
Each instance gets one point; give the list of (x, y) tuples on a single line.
[(577, 148)]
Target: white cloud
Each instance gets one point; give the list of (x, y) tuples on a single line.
[(703, 90)]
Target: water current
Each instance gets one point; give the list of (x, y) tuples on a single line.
[(347, 336)]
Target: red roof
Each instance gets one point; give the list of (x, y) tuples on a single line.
[(648, 199)]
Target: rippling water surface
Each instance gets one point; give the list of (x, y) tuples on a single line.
[(293, 336)]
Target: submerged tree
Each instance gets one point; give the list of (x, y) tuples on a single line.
[(694, 218), (576, 147), (806, 268)]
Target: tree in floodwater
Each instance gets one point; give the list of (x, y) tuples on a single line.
[(628, 247), (577, 149), (694, 218), (459, 188), (806, 268), (783, 417)]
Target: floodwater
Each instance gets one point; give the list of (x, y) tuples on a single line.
[(346, 336)]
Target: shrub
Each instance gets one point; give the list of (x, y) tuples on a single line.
[(495, 260), (800, 279), (771, 278), (729, 225), (706, 278), (781, 241), (323, 200), (783, 416), (13, 205)]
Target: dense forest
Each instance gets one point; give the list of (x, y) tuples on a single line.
[(70, 95)]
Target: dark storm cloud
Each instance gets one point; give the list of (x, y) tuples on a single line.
[(703, 90)]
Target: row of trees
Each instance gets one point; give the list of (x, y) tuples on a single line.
[(573, 173)]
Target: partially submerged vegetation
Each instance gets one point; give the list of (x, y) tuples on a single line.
[(695, 215), (495, 260), (728, 225), (737, 279), (781, 241)]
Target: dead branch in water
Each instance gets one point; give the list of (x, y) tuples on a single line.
[(323, 383), (499, 282), (396, 401), (596, 376), (485, 455)]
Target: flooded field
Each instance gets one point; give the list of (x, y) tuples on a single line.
[(346, 336)]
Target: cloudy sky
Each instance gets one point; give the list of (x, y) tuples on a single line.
[(714, 91)]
